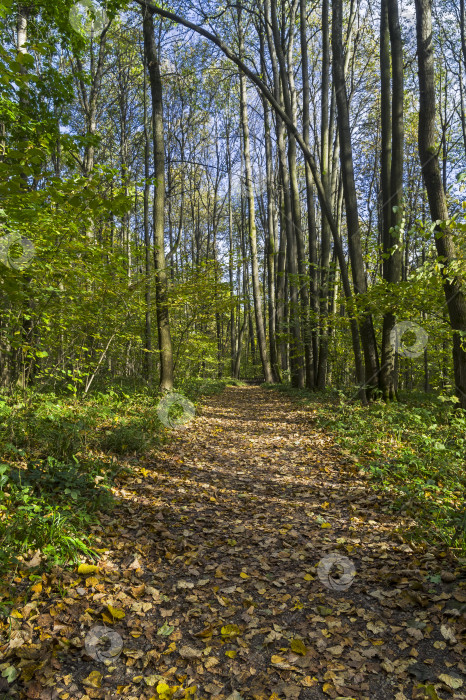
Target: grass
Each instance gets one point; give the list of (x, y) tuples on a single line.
[(58, 458), (415, 449)]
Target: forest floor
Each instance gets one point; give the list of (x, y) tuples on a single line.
[(248, 558)]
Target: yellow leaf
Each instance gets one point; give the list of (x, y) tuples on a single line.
[(325, 525), (106, 618), (87, 569), (164, 691), (151, 680), (94, 679), (16, 614), (231, 653), (117, 613), (298, 646), (37, 587), (328, 688), (230, 631), (244, 575), (308, 577), (170, 648), (92, 581), (277, 659)]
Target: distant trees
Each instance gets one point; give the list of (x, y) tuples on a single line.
[(249, 199)]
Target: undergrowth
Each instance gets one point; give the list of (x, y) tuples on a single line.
[(415, 449), (58, 459)]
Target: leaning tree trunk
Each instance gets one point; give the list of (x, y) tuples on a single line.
[(292, 128), (161, 280), (428, 153), (351, 202)]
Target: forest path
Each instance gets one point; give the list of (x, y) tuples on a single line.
[(217, 553)]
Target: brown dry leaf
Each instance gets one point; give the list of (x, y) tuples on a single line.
[(190, 653), (451, 681), (448, 634)]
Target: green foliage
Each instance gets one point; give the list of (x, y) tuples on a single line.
[(58, 466), (194, 388), (47, 506), (414, 449)]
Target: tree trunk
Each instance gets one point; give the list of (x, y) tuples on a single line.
[(311, 323), (231, 255), (271, 242), (147, 251), (391, 175), (428, 153), (161, 280), (288, 177), (351, 202), (260, 329), (325, 231)]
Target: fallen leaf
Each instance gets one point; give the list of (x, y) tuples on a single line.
[(94, 679)]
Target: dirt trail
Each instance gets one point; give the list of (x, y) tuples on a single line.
[(218, 557)]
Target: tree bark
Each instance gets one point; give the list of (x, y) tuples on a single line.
[(351, 202), (147, 250), (325, 232), (428, 153), (391, 174), (260, 328), (291, 199), (161, 279), (271, 239), (311, 328)]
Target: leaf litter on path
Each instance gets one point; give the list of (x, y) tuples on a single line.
[(248, 558)]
